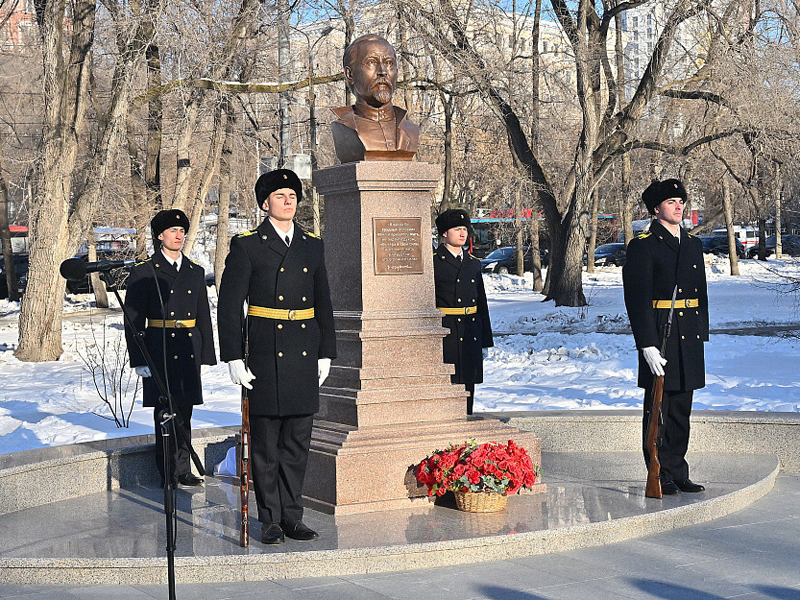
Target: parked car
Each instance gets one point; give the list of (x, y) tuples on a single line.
[(504, 260), (790, 246), (718, 245), (120, 276), (610, 255), (20, 270)]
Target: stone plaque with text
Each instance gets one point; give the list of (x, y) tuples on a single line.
[(397, 245)]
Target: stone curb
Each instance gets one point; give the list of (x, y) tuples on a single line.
[(376, 559)]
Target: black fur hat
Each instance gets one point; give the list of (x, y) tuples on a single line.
[(658, 191), (276, 180), (168, 218), (453, 217)]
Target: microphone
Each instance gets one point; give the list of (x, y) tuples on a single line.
[(75, 269)]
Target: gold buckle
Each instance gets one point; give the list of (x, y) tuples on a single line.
[(292, 315)]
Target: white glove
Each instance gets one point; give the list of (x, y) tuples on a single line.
[(654, 360), (240, 375), (143, 371), (323, 369), (485, 352)]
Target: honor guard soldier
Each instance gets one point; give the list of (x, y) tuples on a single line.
[(462, 300), (279, 271), (665, 263), (166, 298)]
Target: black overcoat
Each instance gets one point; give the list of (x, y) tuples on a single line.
[(655, 264), (460, 284), (184, 296), (283, 355)]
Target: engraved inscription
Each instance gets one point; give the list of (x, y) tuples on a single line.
[(397, 245)]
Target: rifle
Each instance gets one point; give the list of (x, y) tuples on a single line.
[(244, 453), (653, 487)]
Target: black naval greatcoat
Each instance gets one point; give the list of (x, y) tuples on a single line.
[(460, 284), (655, 264), (187, 348), (283, 355)]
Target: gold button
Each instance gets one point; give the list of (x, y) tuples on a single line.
[(458, 281), (695, 289), (189, 291), (305, 270), (280, 298), (175, 357), (680, 313), (459, 339), (459, 299), (694, 266), (280, 354), (305, 353), (683, 337), (303, 325), (280, 325), (472, 280), (282, 269), (173, 335), (474, 339), (172, 291), (473, 319), (680, 291), (698, 337), (190, 334), (304, 298), (192, 355), (458, 319), (697, 312)]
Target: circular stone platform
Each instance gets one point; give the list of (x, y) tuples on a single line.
[(117, 536)]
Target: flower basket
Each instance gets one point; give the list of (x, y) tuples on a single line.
[(480, 502), (481, 476)]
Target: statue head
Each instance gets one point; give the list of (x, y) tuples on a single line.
[(370, 68)]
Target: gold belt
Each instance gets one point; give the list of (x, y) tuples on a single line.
[(172, 323), (682, 303), (465, 310), (281, 314)]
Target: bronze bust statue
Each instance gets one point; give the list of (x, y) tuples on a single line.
[(373, 128)]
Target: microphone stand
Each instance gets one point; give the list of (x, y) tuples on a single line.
[(166, 417)]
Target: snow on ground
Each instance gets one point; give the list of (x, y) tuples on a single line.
[(552, 358)]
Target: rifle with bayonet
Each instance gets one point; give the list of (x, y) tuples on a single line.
[(653, 487), (243, 467)]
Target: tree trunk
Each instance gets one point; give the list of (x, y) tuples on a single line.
[(284, 74), (66, 77), (5, 237), (777, 189), (537, 259), (98, 286), (728, 206), (447, 190), (223, 207), (518, 230), (592, 233)]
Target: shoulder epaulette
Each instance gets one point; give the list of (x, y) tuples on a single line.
[(308, 233), (641, 236), (141, 262), (246, 233)]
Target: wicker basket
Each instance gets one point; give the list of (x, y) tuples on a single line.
[(480, 501)]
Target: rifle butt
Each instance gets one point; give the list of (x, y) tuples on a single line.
[(653, 485)]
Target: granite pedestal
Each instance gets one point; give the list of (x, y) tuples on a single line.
[(388, 401)]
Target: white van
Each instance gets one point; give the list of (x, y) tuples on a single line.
[(747, 235)]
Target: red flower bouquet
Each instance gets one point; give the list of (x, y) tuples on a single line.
[(473, 467)]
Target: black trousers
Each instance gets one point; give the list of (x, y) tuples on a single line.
[(179, 440), (279, 454), (471, 398), (675, 410)]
